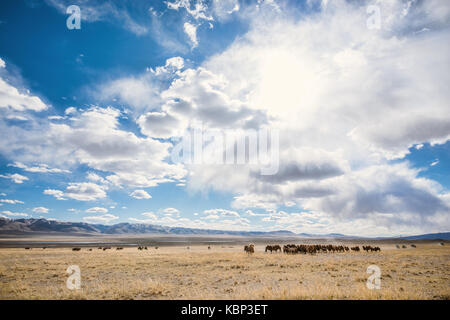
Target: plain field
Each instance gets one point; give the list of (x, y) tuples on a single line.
[(224, 272)]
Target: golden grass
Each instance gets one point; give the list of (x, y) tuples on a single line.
[(223, 273)]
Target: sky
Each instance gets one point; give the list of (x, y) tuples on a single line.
[(352, 95)]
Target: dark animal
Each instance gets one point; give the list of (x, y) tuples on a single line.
[(249, 249), (414, 246), (76, 249), (356, 249), (276, 248), (209, 248), (27, 248), (119, 248)]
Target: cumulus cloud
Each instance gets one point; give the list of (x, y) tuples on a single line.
[(206, 222), (40, 168), (92, 138), (221, 212), (8, 201), (84, 191), (140, 194), (191, 31), (140, 92), (97, 210), (307, 87), (106, 218), (224, 8), (12, 98), (15, 214), (40, 210), (158, 125), (346, 103), (198, 9), (16, 178), (171, 212)]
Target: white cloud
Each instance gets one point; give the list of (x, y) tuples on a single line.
[(92, 138), (224, 8), (345, 102), (150, 215), (139, 92), (58, 194), (171, 212), (40, 168), (84, 191), (140, 194), (191, 31), (11, 98), (158, 125), (2, 63), (96, 178), (172, 65), (106, 218), (221, 212), (16, 178), (306, 85), (197, 10), (70, 111), (435, 162), (97, 210), (15, 214), (40, 210), (8, 201)]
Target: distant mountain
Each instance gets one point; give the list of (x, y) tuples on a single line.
[(26, 226), (36, 226), (429, 236)]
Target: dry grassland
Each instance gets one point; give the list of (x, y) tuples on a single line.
[(224, 273)]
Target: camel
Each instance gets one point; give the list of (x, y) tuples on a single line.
[(249, 249)]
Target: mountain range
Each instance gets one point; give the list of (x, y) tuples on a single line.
[(39, 226)]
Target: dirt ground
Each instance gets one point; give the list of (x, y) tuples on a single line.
[(224, 272)]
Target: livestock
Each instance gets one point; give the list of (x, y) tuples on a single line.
[(249, 249), (275, 248)]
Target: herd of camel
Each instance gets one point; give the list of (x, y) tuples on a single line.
[(311, 248), (289, 248)]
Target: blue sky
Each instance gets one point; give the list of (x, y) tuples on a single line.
[(89, 117)]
